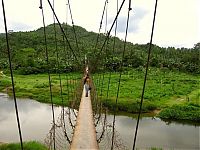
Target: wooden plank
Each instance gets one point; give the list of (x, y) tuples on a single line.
[(85, 133)]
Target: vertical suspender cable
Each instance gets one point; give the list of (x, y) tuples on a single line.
[(68, 90), (109, 79), (100, 26), (97, 40), (11, 73), (108, 33), (145, 77), (106, 20), (113, 125), (63, 32), (103, 76), (121, 65), (49, 76), (75, 35), (59, 75)]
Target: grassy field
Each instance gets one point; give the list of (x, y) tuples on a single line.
[(176, 94), (165, 90), (37, 87), (27, 146)]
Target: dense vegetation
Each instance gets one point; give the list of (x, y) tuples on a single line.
[(168, 91), (172, 86), (28, 54), (27, 146)]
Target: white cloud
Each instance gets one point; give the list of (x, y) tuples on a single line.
[(177, 22)]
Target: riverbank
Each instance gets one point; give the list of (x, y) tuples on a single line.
[(175, 94), (32, 145), (37, 87), (165, 91)]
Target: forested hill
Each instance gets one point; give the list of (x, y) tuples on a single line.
[(28, 52)]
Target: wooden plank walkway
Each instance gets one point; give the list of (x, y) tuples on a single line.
[(85, 134)]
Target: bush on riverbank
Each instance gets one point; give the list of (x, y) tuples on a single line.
[(33, 145), (185, 112), (4, 82)]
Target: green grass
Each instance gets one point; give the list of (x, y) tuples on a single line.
[(181, 112), (37, 87), (164, 89), (27, 146)]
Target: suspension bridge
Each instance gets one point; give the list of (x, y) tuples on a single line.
[(83, 124), (85, 134)]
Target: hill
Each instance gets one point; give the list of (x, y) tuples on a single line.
[(28, 52)]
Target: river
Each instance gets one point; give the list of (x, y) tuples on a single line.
[(36, 121)]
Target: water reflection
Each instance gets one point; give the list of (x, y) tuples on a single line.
[(64, 129), (36, 122), (35, 119), (152, 133)]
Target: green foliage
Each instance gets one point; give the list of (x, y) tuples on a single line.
[(185, 112), (168, 81), (164, 88), (4, 82), (33, 145), (28, 53), (37, 87)]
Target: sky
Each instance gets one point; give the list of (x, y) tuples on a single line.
[(177, 21)]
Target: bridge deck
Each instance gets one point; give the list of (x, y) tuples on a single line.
[(85, 133)]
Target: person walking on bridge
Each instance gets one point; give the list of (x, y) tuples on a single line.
[(87, 84)]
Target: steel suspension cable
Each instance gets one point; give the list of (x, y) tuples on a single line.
[(97, 40), (12, 78), (145, 77), (63, 32), (49, 76), (73, 27), (109, 79), (106, 21), (75, 35), (121, 65), (108, 34), (66, 63), (58, 70), (100, 26), (68, 88), (113, 125)]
